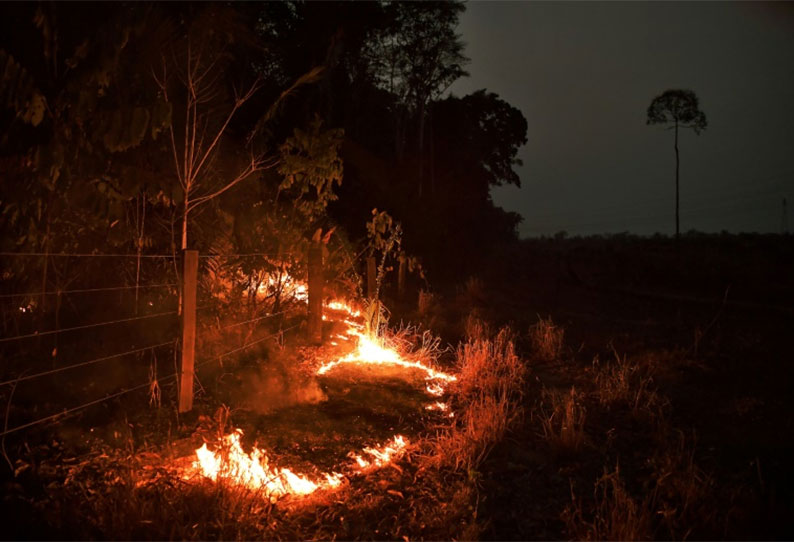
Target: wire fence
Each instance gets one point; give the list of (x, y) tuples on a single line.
[(91, 337)]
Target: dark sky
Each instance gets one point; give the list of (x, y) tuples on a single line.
[(584, 74)]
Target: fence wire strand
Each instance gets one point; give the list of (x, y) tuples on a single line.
[(89, 290), (265, 317), (83, 364), (80, 407), (135, 388), (67, 255), (247, 345), (87, 326)]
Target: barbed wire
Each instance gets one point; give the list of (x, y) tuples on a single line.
[(89, 290), (87, 326), (83, 364)]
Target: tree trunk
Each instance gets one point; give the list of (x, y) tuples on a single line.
[(677, 231), (184, 225), (421, 139)]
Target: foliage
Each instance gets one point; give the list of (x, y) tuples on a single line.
[(311, 166), (680, 107)]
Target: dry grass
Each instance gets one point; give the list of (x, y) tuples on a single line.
[(475, 328), (546, 339), (683, 490), (562, 417), (487, 396), (630, 383), (616, 515)]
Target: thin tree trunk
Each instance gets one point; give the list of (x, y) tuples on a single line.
[(677, 231), (421, 148), (139, 248), (184, 223)]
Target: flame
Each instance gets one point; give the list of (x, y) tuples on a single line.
[(338, 305), (290, 287), (382, 455), (253, 471), (373, 351)]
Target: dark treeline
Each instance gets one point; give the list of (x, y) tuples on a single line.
[(246, 127)]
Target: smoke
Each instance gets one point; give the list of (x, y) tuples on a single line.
[(276, 385)]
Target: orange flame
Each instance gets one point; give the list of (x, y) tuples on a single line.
[(371, 351), (253, 470)]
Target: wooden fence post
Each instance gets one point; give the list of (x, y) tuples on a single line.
[(189, 286), (372, 278), (316, 292)]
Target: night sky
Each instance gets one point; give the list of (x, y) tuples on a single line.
[(584, 74)]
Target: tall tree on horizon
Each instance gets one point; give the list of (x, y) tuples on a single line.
[(680, 108)]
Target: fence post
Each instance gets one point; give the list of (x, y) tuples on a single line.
[(316, 292), (189, 286), (372, 278)]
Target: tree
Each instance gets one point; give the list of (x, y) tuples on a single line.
[(681, 108), (416, 58), (204, 106)]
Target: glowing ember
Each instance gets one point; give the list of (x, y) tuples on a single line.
[(254, 472), (438, 405)]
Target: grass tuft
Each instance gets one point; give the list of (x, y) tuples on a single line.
[(487, 394), (546, 339), (562, 419), (616, 515)]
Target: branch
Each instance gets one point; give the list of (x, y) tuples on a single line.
[(163, 84), (239, 101), (253, 167)]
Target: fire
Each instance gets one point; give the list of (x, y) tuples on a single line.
[(290, 287), (371, 351), (345, 307), (253, 470), (382, 455)]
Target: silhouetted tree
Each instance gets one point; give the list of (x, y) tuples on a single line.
[(680, 108), (416, 58)]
